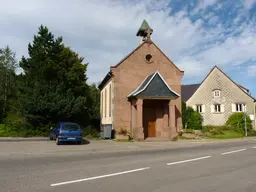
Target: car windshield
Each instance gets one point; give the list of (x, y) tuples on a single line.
[(69, 126)]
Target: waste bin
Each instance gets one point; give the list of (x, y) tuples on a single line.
[(106, 131)]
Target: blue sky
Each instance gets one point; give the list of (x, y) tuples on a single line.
[(195, 34)]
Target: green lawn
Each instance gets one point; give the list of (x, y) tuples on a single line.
[(228, 135)]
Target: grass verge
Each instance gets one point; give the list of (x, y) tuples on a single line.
[(228, 135)]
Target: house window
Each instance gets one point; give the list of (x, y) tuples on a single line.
[(199, 108), (239, 107), (217, 108), (110, 99), (216, 93)]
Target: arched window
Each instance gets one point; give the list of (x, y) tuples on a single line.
[(216, 93)]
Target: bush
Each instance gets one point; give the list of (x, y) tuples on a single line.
[(252, 133), (215, 129), (16, 126), (236, 122), (194, 121), (122, 131), (14, 121), (91, 131), (190, 118), (223, 132), (192, 131), (186, 114)]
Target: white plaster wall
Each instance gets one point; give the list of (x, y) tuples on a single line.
[(230, 94), (106, 103)]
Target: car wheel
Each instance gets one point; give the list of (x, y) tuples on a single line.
[(57, 141)]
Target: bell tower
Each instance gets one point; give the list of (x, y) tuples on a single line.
[(144, 32)]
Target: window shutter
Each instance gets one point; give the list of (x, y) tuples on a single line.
[(222, 108), (212, 108), (244, 108), (203, 108), (233, 107), (194, 107)]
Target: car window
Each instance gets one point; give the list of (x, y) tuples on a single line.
[(69, 126)]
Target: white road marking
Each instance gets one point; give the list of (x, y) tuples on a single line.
[(99, 177), (189, 160), (225, 153), (254, 147)]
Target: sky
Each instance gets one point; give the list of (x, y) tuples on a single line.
[(195, 34)]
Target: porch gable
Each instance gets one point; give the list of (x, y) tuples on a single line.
[(154, 86)]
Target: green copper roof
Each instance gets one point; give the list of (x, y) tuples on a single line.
[(144, 26)]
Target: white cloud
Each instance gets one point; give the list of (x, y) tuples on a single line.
[(233, 51), (208, 15), (203, 4), (196, 68), (213, 20), (105, 31), (248, 4), (252, 70)]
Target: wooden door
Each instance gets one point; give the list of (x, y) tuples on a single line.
[(151, 128), (149, 121)]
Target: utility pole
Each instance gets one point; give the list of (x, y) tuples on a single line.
[(245, 124)]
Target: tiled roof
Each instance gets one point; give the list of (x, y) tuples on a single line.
[(188, 90), (148, 81)]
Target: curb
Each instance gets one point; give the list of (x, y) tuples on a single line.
[(13, 139), (21, 139)]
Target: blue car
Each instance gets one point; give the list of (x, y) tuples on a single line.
[(66, 132)]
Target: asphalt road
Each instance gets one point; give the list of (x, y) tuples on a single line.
[(220, 167)]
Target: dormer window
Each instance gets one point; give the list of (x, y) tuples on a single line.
[(216, 93)]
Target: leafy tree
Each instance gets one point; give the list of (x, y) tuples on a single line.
[(236, 121), (8, 66), (55, 87), (95, 96)]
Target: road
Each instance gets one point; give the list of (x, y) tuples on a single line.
[(210, 167)]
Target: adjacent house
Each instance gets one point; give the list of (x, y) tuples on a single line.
[(217, 97), (142, 92)]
